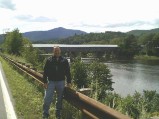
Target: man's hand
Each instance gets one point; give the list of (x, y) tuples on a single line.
[(45, 85), (68, 85)]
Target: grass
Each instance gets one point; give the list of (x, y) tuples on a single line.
[(23, 60), (146, 57), (28, 97)]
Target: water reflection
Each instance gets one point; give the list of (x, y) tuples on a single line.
[(134, 75)]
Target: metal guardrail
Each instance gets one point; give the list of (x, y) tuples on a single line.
[(91, 108)]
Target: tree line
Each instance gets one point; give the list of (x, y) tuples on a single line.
[(130, 45)]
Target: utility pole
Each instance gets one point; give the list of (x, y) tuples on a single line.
[(6, 30)]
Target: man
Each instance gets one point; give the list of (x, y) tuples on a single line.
[(55, 71)]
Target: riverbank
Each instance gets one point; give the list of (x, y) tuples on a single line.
[(146, 57)]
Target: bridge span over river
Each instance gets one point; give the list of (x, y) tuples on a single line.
[(79, 48)]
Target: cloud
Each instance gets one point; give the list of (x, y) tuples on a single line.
[(30, 18), (117, 25), (90, 25), (7, 4), (128, 24), (157, 22), (24, 17), (43, 19), (85, 25)]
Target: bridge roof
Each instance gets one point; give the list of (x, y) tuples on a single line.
[(75, 46), (78, 48)]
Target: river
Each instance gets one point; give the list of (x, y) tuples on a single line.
[(131, 76)]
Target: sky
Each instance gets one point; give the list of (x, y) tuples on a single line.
[(85, 15)]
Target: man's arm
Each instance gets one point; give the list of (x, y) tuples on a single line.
[(68, 74), (45, 75)]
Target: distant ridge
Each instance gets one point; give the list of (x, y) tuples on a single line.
[(56, 33), (60, 33), (140, 32)]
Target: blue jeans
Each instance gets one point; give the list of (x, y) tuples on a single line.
[(48, 98)]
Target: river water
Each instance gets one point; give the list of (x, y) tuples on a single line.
[(131, 76)]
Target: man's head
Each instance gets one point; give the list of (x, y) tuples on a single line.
[(56, 51)]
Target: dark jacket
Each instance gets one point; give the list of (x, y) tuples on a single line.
[(56, 70)]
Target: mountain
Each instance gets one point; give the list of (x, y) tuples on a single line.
[(140, 32), (60, 33), (57, 33)]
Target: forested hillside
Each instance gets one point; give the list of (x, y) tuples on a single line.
[(45, 36), (94, 38), (130, 45), (141, 32), (53, 34)]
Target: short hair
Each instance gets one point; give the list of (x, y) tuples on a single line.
[(56, 47)]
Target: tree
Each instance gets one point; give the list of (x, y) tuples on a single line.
[(13, 42), (100, 78), (79, 73), (150, 43), (155, 44), (128, 47), (30, 53)]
